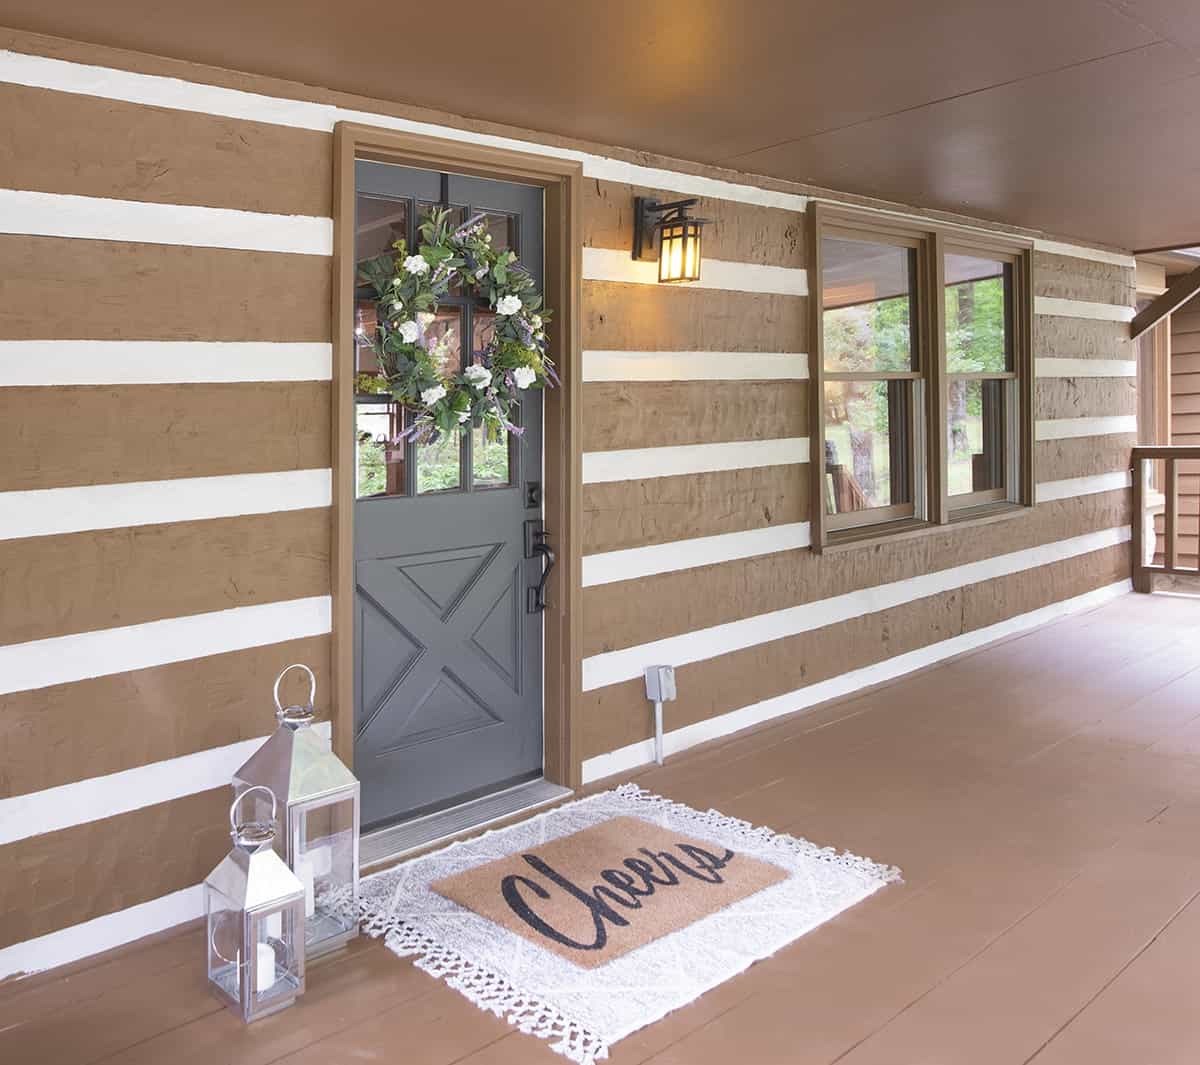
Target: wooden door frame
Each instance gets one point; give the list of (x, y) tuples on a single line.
[(561, 179)]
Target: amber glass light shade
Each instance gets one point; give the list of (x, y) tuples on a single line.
[(679, 250)]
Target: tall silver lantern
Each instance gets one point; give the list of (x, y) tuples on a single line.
[(320, 797), (254, 907)]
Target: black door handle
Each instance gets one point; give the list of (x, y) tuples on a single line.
[(535, 601)]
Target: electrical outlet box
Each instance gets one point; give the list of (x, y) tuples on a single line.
[(660, 683)]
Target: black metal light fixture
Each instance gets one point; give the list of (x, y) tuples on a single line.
[(678, 237)]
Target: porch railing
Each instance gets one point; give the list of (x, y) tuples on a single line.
[(1156, 492)]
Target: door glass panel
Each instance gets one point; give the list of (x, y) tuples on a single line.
[(439, 464), (442, 334), (866, 444), (490, 459), (975, 419), (366, 361), (868, 294), (379, 456), (379, 223), (978, 317), (502, 228)]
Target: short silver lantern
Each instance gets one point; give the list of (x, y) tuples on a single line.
[(254, 907), (320, 797)]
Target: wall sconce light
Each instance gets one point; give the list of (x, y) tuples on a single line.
[(678, 236)]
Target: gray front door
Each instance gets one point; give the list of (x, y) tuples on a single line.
[(448, 657)]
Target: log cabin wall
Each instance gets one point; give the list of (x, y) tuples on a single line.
[(165, 433)]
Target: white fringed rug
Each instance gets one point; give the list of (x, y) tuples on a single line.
[(587, 1006)]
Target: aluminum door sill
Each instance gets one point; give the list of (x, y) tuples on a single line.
[(395, 841)]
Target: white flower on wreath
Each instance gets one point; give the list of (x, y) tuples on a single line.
[(416, 264), (463, 415), (481, 273), (508, 305), (409, 331), (536, 321), (524, 376), (431, 395), (478, 376), (397, 305)]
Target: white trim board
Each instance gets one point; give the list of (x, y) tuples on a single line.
[(156, 91), (694, 366), (1078, 251), (56, 363), (642, 753), (102, 653), (635, 464), (52, 511), (632, 563), (96, 798), (1068, 428), (1085, 368), (54, 214), (1071, 487), (627, 663), (1063, 308), (609, 264), (102, 933)]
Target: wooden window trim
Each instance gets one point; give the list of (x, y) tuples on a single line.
[(932, 509)]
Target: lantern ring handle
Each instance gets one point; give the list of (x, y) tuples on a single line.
[(233, 808), (312, 685)]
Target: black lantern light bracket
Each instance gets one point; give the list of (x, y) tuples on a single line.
[(650, 215)]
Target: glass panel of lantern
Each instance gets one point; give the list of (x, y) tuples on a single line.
[(320, 797), (679, 249), (254, 915)]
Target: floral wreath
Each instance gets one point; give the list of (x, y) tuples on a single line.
[(408, 289)]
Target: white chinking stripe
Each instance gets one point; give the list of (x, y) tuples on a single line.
[(104, 652), (612, 667), (635, 464), (608, 264), (694, 366), (631, 563), (102, 933), (1072, 487), (96, 798), (1063, 308), (677, 740), (47, 363), (52, 511), (157, 91), (1067, 428), (1085, 368), (1077, 251), (53, 214)]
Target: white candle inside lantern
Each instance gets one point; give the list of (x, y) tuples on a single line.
[(275, 926), (265, 977)]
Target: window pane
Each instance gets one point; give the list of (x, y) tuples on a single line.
[(490, 458), (868, 296), (439, 465), (978, 315), (975, 435), (379, 456), (378, 224), (866, 444)]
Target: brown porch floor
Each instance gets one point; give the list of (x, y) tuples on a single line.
[(1042, 796)]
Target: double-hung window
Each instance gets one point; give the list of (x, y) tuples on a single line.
[(921, 402)]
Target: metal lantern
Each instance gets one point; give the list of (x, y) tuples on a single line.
[(679, 237), (320, 798), (254, 906)]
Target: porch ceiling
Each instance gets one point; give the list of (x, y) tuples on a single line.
[(1077, 117)]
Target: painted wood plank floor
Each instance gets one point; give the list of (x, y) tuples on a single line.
[(1042, 796)]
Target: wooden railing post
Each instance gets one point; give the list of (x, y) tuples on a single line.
[(1143, 581), (1171, 517)]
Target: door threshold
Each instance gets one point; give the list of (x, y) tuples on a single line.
[(387, 844)]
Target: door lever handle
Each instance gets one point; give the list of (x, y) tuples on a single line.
[(535, 601)]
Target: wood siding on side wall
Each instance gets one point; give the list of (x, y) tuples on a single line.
[(150, 149)]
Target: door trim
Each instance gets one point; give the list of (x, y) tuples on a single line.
[(562, 482)]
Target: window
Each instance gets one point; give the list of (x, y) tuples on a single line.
[(920, 406)]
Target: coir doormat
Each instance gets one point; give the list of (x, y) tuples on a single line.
[(594, 919)]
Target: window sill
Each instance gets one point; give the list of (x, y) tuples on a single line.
[(909, 529)]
